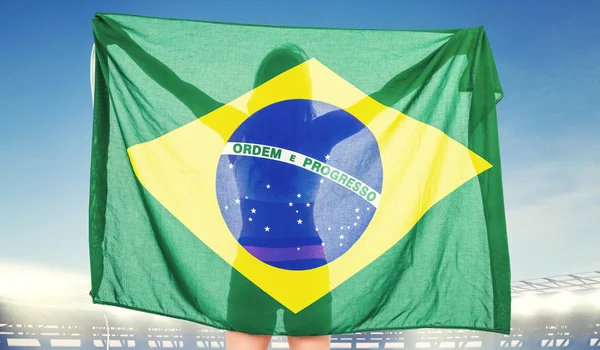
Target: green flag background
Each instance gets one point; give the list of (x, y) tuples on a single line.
[(450, 271)]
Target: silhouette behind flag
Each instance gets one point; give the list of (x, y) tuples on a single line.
[(297, 181)]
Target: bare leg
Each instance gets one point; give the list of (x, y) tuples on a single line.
[(243, 341), (310, 343)]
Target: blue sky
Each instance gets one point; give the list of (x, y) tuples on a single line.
[(547, 56)]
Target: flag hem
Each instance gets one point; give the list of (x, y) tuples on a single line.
[(356, 330), (438, 31)]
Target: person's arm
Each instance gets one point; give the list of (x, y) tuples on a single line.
[(334, 127), (195, 99)]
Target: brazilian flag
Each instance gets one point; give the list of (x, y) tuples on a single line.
[(297, 181)]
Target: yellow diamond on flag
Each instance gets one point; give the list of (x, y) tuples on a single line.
[(420, 166)]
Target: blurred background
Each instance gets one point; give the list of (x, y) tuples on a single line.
[(50, 309), (547, 55)]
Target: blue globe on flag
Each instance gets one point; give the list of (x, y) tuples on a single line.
[(299, 182)]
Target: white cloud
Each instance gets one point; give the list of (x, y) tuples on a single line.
[(39, 285), (552, 194)]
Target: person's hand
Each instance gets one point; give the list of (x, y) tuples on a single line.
[(108, 34)]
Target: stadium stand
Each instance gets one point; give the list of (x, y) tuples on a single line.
[(561, 312)]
